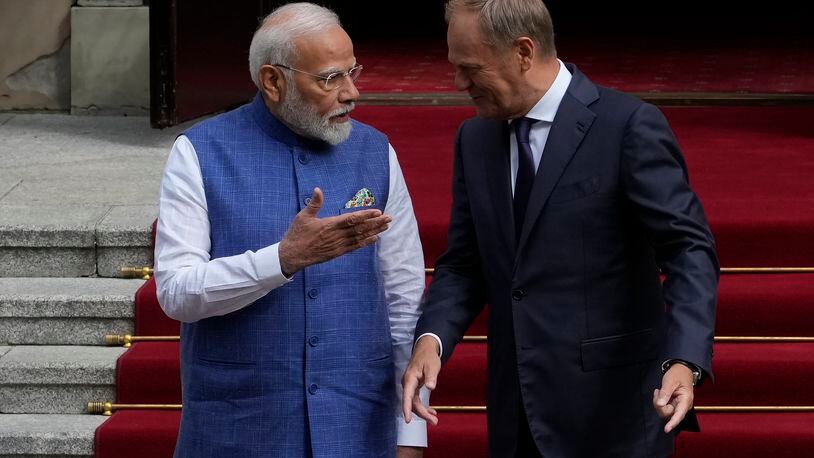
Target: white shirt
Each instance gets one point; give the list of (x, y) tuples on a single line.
[(544, 111), (191, 286)]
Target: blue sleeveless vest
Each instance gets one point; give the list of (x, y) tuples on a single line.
[(308, 369)]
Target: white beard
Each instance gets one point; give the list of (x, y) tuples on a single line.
[(304, 119)]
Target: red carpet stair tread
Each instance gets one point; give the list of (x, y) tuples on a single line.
[(139, 434), (749, 305)]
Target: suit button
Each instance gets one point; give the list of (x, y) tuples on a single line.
[(518, 294), (313, 293), (313, 388), (313, 341)]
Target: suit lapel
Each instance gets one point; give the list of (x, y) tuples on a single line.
[(570, 125), (497, 174)]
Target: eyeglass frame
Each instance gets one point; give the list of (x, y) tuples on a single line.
[(327, 79)]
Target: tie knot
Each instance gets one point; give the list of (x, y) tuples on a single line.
[(522, 127)]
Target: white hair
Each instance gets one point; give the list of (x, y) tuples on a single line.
[(273, 42)]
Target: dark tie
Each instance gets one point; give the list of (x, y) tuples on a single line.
[(525, 172)]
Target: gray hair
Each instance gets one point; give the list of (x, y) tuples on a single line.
[(273, 42), (504, 21)]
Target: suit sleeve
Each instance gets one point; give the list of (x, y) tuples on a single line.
[(655, 180), (456, 295)]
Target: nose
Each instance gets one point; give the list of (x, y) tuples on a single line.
[(462, 82), (348, 91)]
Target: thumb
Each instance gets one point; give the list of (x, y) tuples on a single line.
[(665, 394), (315, 204), (430, 377)]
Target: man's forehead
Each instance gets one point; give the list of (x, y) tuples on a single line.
[(325, 50)]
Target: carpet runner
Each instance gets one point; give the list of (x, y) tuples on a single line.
[(751, 167)]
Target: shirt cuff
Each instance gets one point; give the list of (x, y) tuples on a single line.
[(438, 339), (269, 271), (413, 434)]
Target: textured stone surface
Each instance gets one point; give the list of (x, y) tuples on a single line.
[(61, 331), (36, 143), (46, 436), (59, 365), (110, 260), (4, 350), (46, 77), (47, 262), (49, 226), (67, 297), (64, 399), (127, 226), (7, 183), (77, 187), (110, 65), (110, 2), (33, 73)]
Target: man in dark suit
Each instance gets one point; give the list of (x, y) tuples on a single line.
[(570, 201)]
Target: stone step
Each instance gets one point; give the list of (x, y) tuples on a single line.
[(48, 436), (56, 379), (74, 241), (65, 311)]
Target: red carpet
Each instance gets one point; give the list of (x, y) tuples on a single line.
[(149, 373), (138, 434), (766, 305), (758, 218), (644, 65)]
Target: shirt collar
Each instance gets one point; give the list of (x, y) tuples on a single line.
[(546, 107)]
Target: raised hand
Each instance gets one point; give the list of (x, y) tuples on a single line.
[(312, 240)]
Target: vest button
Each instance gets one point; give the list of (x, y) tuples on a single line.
[(313, 294), (313, 388), (518, 294), (303, 158), (313, 341)]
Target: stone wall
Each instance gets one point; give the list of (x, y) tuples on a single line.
[(90, 56), (35, 55)]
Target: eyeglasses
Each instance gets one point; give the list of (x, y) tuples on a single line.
[(333, 80)]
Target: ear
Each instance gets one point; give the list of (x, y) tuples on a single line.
[(272, 83), (525, 50)]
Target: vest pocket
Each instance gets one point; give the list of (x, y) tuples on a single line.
[(618, 350), (223, 380)]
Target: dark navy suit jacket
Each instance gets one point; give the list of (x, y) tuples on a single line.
[(580, 320)]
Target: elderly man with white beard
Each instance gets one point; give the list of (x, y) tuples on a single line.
[(288, 249)]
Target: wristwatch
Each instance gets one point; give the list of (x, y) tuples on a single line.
[(696, 371)]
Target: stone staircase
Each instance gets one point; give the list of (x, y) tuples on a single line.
[(71, 216), (53, 358)]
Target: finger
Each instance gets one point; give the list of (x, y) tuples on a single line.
[(680, 412), (423, 411), (430, 377), (350, 220), (315, 204), (662, 411), (409, 386), (666, 393)]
